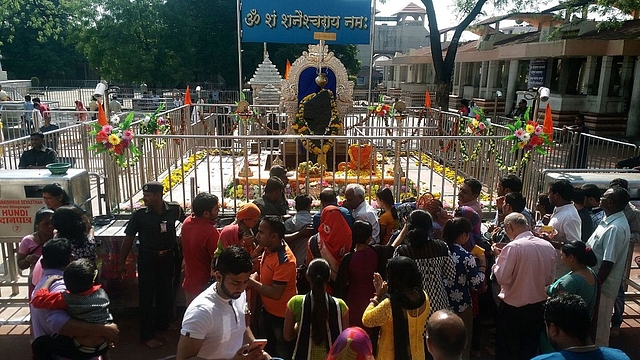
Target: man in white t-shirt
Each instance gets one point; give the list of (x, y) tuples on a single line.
[(565, 219), (214, 325)]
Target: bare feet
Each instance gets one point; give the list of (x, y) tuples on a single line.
[(153, 344)]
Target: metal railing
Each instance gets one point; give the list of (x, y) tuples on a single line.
[(424, 132), (413, 155)]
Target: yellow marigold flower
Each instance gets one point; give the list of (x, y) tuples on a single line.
[(522, 144), (530, 129), (114, 139), (475, 123)]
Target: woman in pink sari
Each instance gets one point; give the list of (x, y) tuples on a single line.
[(81, 112)]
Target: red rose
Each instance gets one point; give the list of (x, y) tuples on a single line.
[(118, 149), (102, 136)]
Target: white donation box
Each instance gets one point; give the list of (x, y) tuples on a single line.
[(21, 196)]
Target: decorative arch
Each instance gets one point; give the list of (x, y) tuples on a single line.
[(293, 90)]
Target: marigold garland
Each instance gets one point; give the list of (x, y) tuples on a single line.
[(476, 126), (301, 127), (447, 172)]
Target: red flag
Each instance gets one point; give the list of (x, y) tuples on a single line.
[(102, 117), (427, 100), (187, 96), (547, 125), (287, 68)]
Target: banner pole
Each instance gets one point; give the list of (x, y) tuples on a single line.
[(239, 29), (372, 31)]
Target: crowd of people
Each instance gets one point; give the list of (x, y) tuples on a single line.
[(349, 282)]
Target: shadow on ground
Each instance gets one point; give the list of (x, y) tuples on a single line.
[(16, 346)]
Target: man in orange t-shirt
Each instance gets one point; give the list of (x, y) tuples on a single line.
[(199, 243), (276, 284)]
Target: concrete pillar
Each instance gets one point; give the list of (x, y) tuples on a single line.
[(563, 78), (492, 79), (589, 86), (511, 83), (464, 74), (633, 117), (603, 83), (475, 72), (456, 78), (396, 76), (421, 73), (460, 71), (484, 71), (626, 76), (410, 73)]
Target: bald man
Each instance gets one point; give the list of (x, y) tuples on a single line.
[(520, 314), (446, 335)]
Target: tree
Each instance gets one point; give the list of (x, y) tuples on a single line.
[(444, 65), (160, 42), (35, 38), (124, 41)]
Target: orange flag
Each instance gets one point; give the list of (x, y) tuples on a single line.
[(102, 117), (427, 100), (187, 96), (287, 68), (547, 125)]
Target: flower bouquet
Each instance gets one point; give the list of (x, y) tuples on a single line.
[(479, 125), (115, 140), (528, 136), (381, 110), (156, 125)]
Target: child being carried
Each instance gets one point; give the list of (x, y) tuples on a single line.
[(83, 300)]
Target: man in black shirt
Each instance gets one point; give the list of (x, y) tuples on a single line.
[(39, 155), (271, 202), (155, 225)]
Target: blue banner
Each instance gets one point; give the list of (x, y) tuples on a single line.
[(295, 22)]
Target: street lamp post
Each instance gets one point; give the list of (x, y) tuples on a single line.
[(537, 94), (112, 196), (495, 105)]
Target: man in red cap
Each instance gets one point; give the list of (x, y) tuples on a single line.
[(241, 233)]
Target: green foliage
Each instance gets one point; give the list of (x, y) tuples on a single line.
[(159, 42), (35, 38)]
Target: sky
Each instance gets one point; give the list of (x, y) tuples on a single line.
[(445, 10)]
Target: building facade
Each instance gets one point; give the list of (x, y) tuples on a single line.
[(593, 72)]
